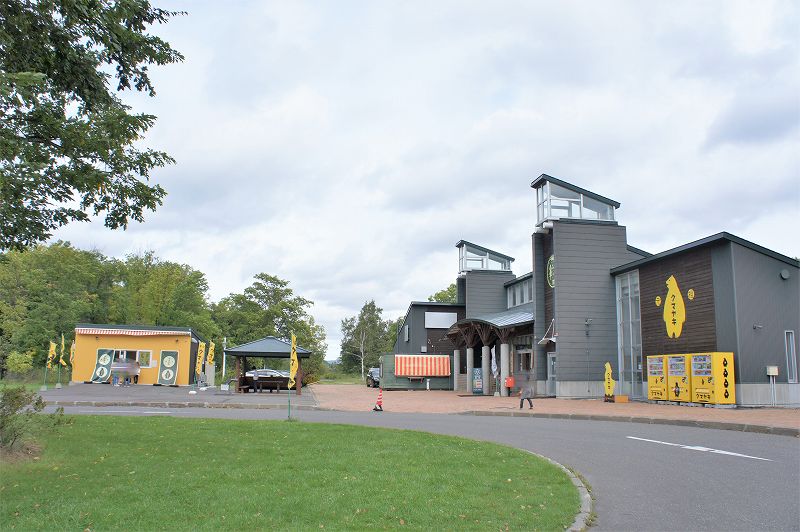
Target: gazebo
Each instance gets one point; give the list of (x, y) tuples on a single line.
[(269, 347)]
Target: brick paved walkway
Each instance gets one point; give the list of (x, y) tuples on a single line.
[(351, 397)]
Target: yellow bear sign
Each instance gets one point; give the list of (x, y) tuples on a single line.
[(674, 308), (609, 383)]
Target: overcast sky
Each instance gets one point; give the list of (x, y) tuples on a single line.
[(347, 146)]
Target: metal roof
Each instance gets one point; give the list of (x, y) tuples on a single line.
[(269, 347), (719, 237), (544, 177), (518, 279), (521, 315), (487, 250)]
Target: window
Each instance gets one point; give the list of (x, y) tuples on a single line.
[(791, 356), (554, 201), (145, 359), (405, 333)]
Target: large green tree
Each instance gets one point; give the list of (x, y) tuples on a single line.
[(69, 147), (45, 291), (269, 307), (364, 338)]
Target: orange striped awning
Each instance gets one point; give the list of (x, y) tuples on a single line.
[(422, 365), (129, 332)]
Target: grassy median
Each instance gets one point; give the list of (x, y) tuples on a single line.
[(146, 473)]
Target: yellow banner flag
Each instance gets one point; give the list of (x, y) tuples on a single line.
[(51, 355), (293, 362), (61, 356), (211, 353), (72, 354), (201, 354)]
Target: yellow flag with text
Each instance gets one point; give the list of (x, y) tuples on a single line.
[(51, 355), (72, 354), (61, 356), (293, 362), (201, 354), (210, 359)]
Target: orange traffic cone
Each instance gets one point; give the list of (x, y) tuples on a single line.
[(379, 402)]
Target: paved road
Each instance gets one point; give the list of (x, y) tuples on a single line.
[(643, 476)]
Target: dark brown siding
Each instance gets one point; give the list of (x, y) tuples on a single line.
[(547, 248), (692, 270)]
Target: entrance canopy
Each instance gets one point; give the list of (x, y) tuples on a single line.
[(489, 327), (269, 347)]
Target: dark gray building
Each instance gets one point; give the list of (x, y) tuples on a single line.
[(592, 298)]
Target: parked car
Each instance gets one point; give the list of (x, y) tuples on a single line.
[(266, 372), (373, 377)]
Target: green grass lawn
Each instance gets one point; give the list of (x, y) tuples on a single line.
[(147, 473)]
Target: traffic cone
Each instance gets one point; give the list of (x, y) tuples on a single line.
[(379, 402)]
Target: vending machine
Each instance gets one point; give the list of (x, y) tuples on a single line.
[(657, 378), (713, 379), (679, 386)]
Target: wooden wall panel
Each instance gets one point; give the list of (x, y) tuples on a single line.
[(692, 270)]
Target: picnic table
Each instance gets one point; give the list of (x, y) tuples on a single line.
[(247, 383)]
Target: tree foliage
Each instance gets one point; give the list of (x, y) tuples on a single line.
[(268, 307), (46, 290), (448, 295), (69, 146), (364, 338)]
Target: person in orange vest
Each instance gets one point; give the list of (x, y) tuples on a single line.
[(379, 402)]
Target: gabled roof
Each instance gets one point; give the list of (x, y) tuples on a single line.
[(487, 250), (544, 177), (719, 237), (268, 347)]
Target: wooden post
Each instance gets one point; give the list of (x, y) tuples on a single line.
[(238, 371)]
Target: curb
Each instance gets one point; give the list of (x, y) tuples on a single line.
[(580, 522), (179, 404), (720, 425)]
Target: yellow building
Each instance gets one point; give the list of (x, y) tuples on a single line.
[(165, 355)]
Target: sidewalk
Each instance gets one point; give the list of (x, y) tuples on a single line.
[(360, 398)]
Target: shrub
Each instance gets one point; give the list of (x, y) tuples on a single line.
[(19, 363), (21, 417)]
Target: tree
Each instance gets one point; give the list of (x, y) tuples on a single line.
[(364, 338), (45, 291), (269, 307), (68, 144), (448, 295)]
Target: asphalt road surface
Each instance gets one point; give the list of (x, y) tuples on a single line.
[(643, 477)]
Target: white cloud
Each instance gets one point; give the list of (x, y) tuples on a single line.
[(346, 147)]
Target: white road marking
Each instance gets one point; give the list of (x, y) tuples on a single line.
[(109, 411), (699, 448), (159, 412)]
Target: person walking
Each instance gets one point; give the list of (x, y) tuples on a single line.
[(526, 392)]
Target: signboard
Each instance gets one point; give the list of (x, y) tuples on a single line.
[(168, 369), (477, 381), (102, 369)]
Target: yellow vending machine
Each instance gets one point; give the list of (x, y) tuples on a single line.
[(656, 378), (713, 379), (679, 387)]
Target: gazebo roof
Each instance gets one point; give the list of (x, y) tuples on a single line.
[(269, 347)]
